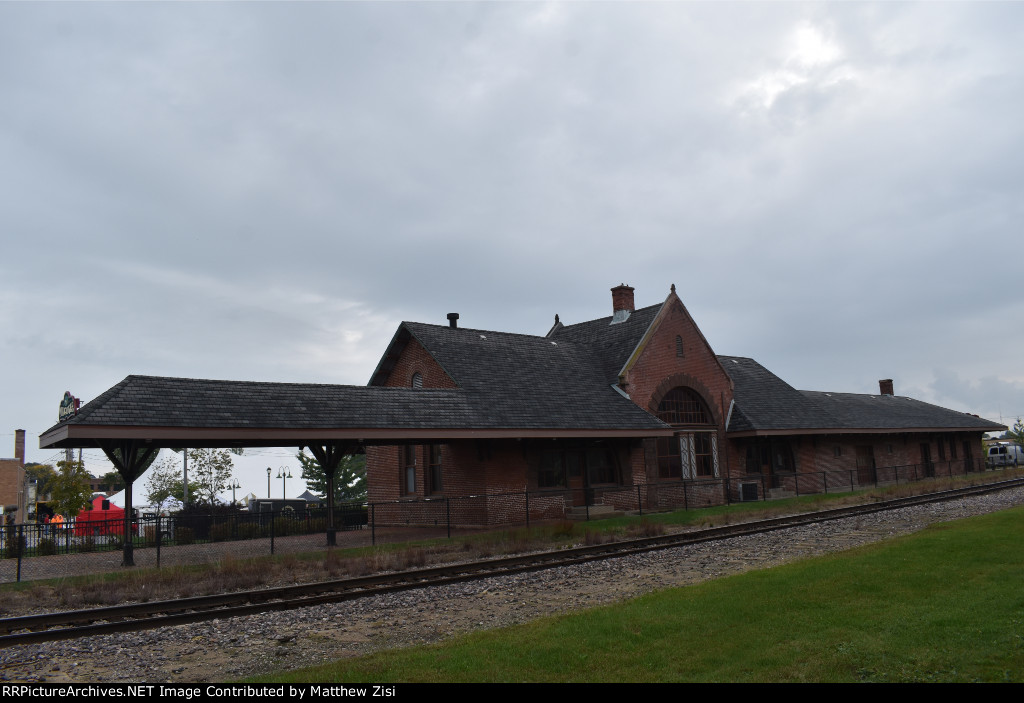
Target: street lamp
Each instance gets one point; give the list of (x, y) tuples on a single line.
[(284, 474), (268, 483), (234, 484)]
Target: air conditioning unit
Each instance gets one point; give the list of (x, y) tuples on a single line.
[(748, 491)]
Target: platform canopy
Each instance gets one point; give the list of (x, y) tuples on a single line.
[(182, 412)]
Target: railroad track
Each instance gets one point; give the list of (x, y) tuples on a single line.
[(142, 616)]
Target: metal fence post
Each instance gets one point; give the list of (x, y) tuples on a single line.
[(527, 494), (686, 500), (18, 547), (159, 539), (271, 531), (448, 515), (639, 500), (373, 523)]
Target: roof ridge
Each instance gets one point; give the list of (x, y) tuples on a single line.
[(609, 317), (479, 331)]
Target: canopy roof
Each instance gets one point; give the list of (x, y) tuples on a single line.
[(184, 412)]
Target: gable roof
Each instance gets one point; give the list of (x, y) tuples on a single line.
[(765, 404), (530, 380)]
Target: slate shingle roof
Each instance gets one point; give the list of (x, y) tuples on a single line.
[(505, 381), (610, 344), (763, 401), (531, 381), (157, 401)]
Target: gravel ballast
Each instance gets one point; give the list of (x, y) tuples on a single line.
[(222, 650)]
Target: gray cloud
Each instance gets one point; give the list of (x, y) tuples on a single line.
[(263, 191)]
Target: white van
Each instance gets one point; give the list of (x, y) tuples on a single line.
[(1005, 455)]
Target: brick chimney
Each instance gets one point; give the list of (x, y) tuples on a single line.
[(622, 303), (19, 445), (885, 386)]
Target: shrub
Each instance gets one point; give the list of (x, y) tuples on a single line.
[(87, 544), (221, 532), (184, 535), (247, 530), (285, 526), (46, 547), (14, 545), (563, 528)]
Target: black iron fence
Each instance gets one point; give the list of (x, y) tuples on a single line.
[(95, 545), (445, 514), (156, 540)]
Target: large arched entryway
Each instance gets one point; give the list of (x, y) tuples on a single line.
[(692, 452)]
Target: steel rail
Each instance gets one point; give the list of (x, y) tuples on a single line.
[(142, 616)]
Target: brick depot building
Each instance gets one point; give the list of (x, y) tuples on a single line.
[(639, 398), (634, 408)]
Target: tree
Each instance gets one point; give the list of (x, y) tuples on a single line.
[(69, 489), (113, 481), (43, 475), (349, 481), (1017, 433), (212, 471), (237, 451), (165, 485)]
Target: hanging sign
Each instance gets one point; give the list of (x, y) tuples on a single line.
[(68, 407)]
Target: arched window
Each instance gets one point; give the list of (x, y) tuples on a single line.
[(679, 345), (682, 406), (417, 380)]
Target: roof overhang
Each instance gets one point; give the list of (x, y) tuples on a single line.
[(88, 436), (859, 430)]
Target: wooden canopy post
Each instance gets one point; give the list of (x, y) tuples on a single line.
[(131, 461), (329, 457)]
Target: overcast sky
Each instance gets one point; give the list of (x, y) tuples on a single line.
[(264, 191)]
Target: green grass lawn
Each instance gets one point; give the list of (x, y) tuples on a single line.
[(946, 604)]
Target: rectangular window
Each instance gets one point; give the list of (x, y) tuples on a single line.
[(866, 464), (552, 471), (600, 468), (669, 462), (434, 484), (698, 453), (407, 480), (705, 453)]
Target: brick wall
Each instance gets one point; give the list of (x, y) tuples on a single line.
[(12, 485), (659, 368), (384, 466), (830, 460), (416, 359)]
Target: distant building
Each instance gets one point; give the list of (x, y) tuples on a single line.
[(12, 478)]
